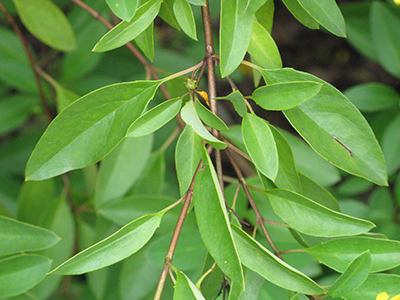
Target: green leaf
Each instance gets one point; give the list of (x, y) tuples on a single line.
[(197, 2), (145, 41), (373, 96), (385, 254), (167, 13), (235, 33), (126, 241), (47, 22), (260, 145), (263, 49), (385, 29), (184, 15), (285, 95), (20, 273), (255, 257), (307, 216), (374, 285), (16, 237), (96, 123), (189, 115), (265, 15), (354, 275), (334, 128), (124, 32), (123, 9), (188, 153), (253, 284), (210, 118), (185, 289), (326, 13), (301, 14), (155, 118), (391, 145), (238, 101), (213, 223)]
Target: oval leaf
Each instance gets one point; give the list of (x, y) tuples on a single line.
[(385, 254), (255, 257), (185, 289), (281, 96), (210, 118), (22, 272), (353, 276), (307, 216), (16, 237), (189, 115), (155, 118), (260, 145), (47, 22), (123, 9), (124, 32), (88, 129), (184, 15), (334, 128), (126, 241), (238, 101), (145, 41), (213, 222)]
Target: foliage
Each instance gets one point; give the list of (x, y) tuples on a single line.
[(125, 180)]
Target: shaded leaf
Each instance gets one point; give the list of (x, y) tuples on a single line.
[(145, 41), (238, 101), (391, 145), (253, 284), (210, 118)]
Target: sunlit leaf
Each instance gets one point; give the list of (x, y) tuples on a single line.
[(123, 9), (184, 16)]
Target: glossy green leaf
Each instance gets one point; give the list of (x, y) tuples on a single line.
[(307, 216), (145, 41), (235, 33), (354, 275), (260, 145), (184, 16), (126, 241), (301, 14), (391, 145), (385, 29), (155, 118), (326, 13), (334, 128), (16, 237), (255, 257), (373, 96), (20, 273), (213, 223), (286, 95), (238, 101), (189, 115), (374, 285), (263, 49), (95, 123), (187, 157), (253, 284), (385, 254), (287, 177), (210, 118), (185, 289), (123, 9), (124, 32), (46, 21)]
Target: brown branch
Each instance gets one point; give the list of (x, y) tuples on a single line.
[(31, 61)]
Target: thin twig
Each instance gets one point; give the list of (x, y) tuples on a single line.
[(14, 25)]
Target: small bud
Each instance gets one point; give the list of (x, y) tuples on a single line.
[(204, 95)]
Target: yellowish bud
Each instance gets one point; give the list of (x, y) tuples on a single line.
[(204, 96)]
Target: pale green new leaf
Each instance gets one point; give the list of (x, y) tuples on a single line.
[(263, 49), (255, 257), (185, 289), (184, 15), (89, 128), (124, 32), (326, 13), (126, 241), (189, 115), (155, 118), (22, 272), (354, 275), (123, 9), (307, 216), (213, 223), (47, 22), (260, 145), (210, 118), (16, 237), (334, 128), (336, 254), (235, 33)]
